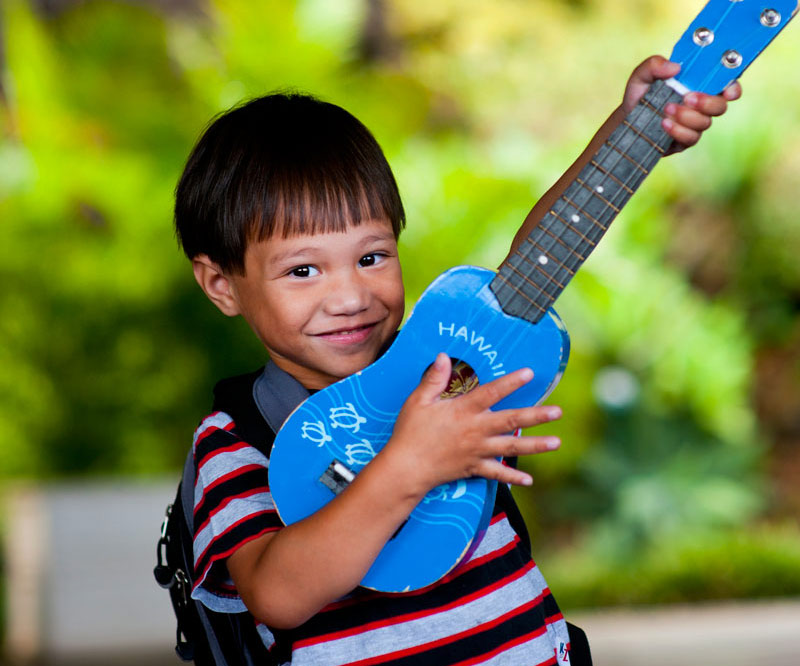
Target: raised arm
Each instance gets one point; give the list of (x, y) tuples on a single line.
[(685, 123)]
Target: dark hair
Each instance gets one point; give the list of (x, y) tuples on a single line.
[(284, 163)]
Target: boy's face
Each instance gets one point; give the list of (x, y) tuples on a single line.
[(323, 304)]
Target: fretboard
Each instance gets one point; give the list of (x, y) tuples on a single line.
[(536, 273)]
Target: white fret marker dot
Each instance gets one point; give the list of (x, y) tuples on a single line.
[(542, 259), (599, 189), (576, 218)]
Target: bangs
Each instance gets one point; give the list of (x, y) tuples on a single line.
[(323, 200)]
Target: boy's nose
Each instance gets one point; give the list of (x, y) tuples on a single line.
[(348, 296)]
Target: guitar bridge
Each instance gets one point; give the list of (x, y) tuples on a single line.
[(337, 477)]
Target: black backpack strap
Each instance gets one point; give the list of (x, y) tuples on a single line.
[(259, 402), (187, 504)]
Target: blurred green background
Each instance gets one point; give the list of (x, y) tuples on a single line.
[(679, 477)]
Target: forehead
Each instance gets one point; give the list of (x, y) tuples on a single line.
[(353, 238)]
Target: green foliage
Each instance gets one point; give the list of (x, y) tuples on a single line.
[(108, 350), (760, 563)]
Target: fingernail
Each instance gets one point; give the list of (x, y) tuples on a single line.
[(667, 124), (691, 99), (670, 109), (526, 481), (439, 363), (552, 443), (554, 412), (526, 374)]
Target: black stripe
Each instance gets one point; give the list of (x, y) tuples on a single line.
[(244, 482), (235, 537), (374, 607), (216, 439), (478, 644)]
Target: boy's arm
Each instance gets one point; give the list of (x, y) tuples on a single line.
[(286, 577), (685, 123)]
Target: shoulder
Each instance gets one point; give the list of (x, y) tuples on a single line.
[(219, 449)]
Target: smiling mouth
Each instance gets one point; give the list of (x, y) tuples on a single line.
[(356, 334)]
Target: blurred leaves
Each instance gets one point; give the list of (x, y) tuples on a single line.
[(108, 350)]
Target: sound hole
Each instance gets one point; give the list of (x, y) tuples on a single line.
[(462, 379)]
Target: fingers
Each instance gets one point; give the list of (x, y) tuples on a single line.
[(687, 121), (435, 379), (493, 469), (655, 67), (490, 394), (507, 447), (733, 91), (508, 420)]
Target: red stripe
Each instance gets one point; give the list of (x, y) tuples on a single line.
[(228, 500), (514, 642), (417, 649), (409, 617), (225, 554), (455, 573), (553, 618), (236, 446), (227, 477), (497, 518), (211, 428)]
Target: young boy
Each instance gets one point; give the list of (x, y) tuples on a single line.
[(290, 216)]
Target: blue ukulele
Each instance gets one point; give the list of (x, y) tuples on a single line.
[(494, 323)]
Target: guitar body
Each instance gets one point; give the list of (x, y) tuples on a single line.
[(351, 421)]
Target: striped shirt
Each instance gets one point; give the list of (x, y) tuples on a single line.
[(495, 608)]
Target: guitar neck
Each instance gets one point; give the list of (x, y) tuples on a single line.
[(531, 279)]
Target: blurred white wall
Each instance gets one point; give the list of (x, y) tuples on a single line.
[(79, 584)]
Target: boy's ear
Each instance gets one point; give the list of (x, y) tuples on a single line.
[(215, 284)]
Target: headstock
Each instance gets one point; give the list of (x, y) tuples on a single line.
[(725, 38)]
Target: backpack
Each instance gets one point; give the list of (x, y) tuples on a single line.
[(259, 402)]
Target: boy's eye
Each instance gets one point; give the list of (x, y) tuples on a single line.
[(369, 260), (303, 271)]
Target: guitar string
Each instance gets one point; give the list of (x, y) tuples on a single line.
[(560, 211), (503, 340), (598, 229), (569, 265)]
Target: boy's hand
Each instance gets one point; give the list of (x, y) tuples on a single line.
[(683, 122), (440, 440)]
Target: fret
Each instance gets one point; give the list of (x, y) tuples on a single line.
[(548, 254), (531, 279), (572, 228), (527, 275), (649, 106), (612, 177), (576, 216), (571, 250), (514, 287), (645, 137), (541, 267), (644, 171), (526, 282), (598, 191)]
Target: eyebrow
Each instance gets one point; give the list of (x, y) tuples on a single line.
[(292, 254)]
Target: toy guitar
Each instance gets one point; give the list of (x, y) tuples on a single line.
[(498, 322)]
